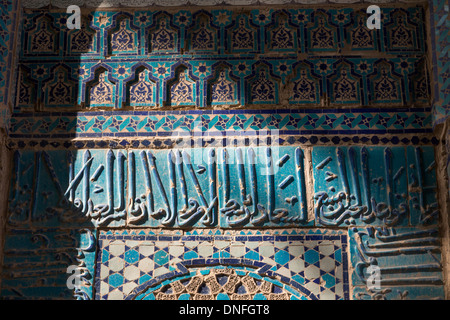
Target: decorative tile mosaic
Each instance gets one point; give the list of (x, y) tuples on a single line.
[(198, 265), (36, 262), (168, 3), (230, 187), (400, 263), (99, 188), (9, 16), (440, 26), (208, 142), (207, 58), (89, 188)]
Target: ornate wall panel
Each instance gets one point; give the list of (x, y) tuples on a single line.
[(228, 187), (223, 153), (408, 260), (206, 58), (440, 45), (373, 185), (9, 15), (223, 265), (370, 188)]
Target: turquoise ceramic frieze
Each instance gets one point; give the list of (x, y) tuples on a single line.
[(209, 123), (372, 185), (129, 210), (227, 188), (262, 186), (9, 13), (230, 187), (185, 54)]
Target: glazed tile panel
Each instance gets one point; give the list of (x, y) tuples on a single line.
[(228, 187), (268, 210), (211, 58), (388, 186), (9, 14), (222, 265), (441, 45), (217, 123), (36, 262), (59, 198), (408, 262)]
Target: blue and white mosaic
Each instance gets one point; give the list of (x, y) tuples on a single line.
[(222, 265)]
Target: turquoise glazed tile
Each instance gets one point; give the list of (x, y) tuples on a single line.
[(161, 275), (396, 263), (181, 187), (262, 186), (423, 204), (124, 166), (115, 74), (65, 258), (369, 185)]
